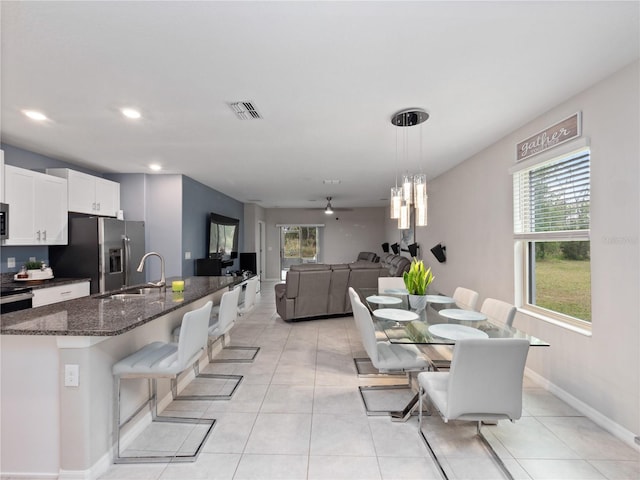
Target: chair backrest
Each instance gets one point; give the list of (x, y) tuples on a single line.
[(387, 283), (485, 379), (250, 293), (193, 334), (465, 298), (499, 311), (365, 326), (228, 313)]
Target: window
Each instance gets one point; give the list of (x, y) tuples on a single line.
[(298, 244), (551, 224)]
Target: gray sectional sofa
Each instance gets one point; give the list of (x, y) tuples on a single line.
[(320, 290)]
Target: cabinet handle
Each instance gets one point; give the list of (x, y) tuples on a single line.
[(66, 293), (38, 234), (44, 235)]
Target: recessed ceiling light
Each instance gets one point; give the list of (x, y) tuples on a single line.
[(131, 113), (35, 115), (155, 167)]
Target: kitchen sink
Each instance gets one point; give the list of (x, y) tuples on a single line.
[(134, 292)]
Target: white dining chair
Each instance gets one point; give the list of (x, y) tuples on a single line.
[(465, 298), (498, 311), (390, 283), (386, 357), (483, 384), (163, 360)]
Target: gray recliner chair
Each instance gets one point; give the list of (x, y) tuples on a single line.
[(367, 257)]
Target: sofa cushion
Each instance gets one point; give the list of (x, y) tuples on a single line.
[(338, 288), (365, 266), (313, 293), (309, 267)]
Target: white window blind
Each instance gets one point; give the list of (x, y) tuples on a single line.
[(551, 199)]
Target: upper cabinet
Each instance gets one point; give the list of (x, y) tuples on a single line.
[(89, 194), (38, 205)]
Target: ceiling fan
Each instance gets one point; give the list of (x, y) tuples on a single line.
[(330, 209)]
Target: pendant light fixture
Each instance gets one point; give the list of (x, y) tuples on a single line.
[(413, 190)]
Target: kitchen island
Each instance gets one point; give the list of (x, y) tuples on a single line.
[(54, 429)]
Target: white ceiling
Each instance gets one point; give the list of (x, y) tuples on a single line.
[(326, 77)]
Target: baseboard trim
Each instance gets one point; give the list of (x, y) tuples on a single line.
[(591, 413), (29, 476)]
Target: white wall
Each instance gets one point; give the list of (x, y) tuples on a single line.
[(471, 212), (345, 233)]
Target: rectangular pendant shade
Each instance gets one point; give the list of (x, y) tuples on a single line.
[(421, 216), (396, 201), (407, 188), (404, 222), (419, 190)]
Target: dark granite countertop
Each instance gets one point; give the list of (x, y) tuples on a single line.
[(95, 316), (36, 284)]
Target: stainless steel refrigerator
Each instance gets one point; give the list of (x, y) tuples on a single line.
[(104, 249)]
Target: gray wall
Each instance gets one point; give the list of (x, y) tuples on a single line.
[(471, 212)]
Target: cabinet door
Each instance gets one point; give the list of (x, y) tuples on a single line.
[(20, 195), (107, 197), (51, 210), (81, 192)]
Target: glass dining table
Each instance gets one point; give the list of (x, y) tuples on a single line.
[(442, 322)]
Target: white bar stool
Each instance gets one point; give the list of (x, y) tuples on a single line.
[(227, 313), (164, 360), (227, 318)]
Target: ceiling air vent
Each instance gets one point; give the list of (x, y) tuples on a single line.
[(245, 110)]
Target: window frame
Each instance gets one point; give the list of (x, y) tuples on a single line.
[(524, 242)]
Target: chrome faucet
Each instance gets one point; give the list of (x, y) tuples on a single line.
[(162, 283)]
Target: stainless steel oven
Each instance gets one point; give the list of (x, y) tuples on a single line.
[(4, 221), (14, 299)]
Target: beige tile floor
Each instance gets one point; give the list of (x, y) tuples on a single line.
[(298, 415)]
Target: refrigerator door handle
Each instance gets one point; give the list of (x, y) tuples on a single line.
[(127, 259)]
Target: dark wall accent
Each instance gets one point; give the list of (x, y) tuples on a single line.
[(197, 201)]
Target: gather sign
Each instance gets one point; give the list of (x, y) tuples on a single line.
[(567, 129)]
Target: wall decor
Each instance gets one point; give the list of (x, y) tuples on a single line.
[(567, 129)]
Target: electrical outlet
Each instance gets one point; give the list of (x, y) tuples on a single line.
[(11, 262), (32, 259), (187, 255), (71, 375)]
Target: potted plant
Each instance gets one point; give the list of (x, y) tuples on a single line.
[(417, 279), (33, 265)]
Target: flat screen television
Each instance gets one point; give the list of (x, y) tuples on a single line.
[(222, 241)]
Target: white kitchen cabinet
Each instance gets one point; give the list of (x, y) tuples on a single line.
[(90, 194), (38, 204), (47, 296)]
